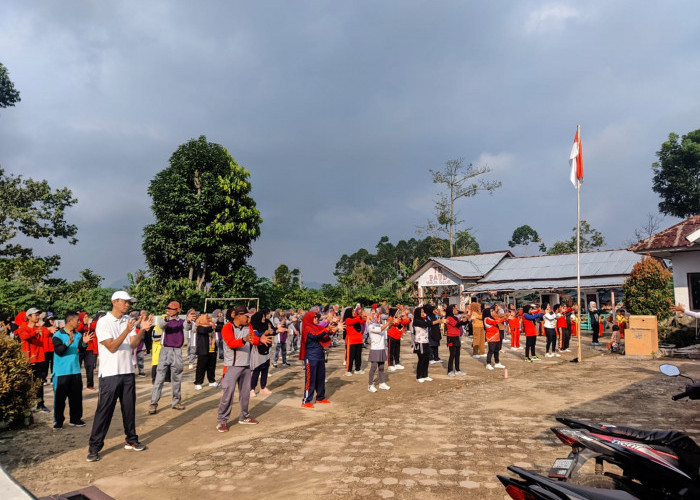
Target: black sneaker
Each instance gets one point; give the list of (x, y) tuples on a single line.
[(57, 427), (43, 409), (93, 457), (79, 423), (134, 446)]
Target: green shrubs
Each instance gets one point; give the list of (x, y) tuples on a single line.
[(17, 388), (649, 289)]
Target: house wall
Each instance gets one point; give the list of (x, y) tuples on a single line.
[(684, 263)]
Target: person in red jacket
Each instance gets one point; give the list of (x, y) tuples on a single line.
[(396, 331), (30, 332), (91, 351), (453, 333), (353, 321), (530, 315), (493, 337), (514, 327)]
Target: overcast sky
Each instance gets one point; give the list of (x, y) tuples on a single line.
[(339, 109)]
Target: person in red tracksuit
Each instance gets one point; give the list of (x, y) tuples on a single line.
[(353, 320), (563, 330), (30, 332), (493, 337), (453, 338), (514, 327)]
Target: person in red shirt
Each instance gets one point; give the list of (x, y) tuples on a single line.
[(353, 320), (514, 327), (493, 337), (30, 332), (90, 353), (396, 331), (563, 330), (453, 332)]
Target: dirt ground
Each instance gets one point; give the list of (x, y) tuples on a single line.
[(442, 439)]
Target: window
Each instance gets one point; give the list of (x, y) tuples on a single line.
[(694, 291)]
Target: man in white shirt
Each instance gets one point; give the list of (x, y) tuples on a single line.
[(680, 309), (116, 337)]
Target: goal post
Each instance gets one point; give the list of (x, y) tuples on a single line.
[(232, 299)]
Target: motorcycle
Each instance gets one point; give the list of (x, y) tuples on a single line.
[(654, 463)]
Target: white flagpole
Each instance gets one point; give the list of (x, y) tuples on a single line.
[(578, 248)]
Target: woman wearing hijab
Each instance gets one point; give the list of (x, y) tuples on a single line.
[(312, 353), (354, 320), (453, 334), (420, 344), (478, 335), (260, 354), (205, 346), (377, 351)]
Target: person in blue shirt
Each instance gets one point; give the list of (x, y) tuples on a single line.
[(67, 382)]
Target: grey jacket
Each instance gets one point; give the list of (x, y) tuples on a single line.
[(241, 355)]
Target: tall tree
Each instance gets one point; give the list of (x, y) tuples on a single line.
[(465, 242), (591, 239), (677, 175), (206, 219), (524, 235), (9, 96), (459, 181), (31, 209)]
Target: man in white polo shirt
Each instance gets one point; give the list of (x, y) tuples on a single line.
[(116, 337)]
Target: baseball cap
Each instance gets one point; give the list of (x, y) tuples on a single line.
[(173, 304), (122, 295), (32, 310), (241, 310)]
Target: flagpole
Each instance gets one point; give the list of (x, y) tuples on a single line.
[(578, 249)]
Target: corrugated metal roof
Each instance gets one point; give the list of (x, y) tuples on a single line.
[(610, 281), (475, 266), (557, 267)]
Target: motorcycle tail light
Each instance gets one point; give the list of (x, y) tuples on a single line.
[(517, 493), (566, 436)]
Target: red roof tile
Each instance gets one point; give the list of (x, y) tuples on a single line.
[(673, 237)]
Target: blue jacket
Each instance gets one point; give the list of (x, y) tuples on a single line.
[(66, 360)]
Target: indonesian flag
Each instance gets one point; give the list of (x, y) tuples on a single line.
[(576, 161)]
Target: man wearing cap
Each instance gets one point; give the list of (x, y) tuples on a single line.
[(170, 357), (237, 338), (116, 337), (31, 333)]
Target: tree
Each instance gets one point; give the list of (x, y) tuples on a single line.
[(460, 182), (524, 235), (677, 175), (465, 243), (649, 228), (649, 289), (206, 220), (9, 96), (31, 209), (591, 239)]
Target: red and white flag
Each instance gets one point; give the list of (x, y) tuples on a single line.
[(576, 161)]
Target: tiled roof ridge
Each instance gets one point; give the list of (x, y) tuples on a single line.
[(672, 237)]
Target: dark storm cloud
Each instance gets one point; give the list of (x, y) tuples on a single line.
[(339, 109)]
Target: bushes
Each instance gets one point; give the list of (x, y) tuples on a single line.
[(649, 289), (17, 388)]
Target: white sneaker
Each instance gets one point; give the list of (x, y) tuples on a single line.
[(371, 388), (461, 373), (361, 372), (432, 361), (428, 379), (384, 386), (489, 367), (392, 368), (213, 384), (420, 380), (440, 360), (191, 366), (399, 367), (548, 355), (451, 374), (513, 348), (499, 365), (476, 356), (557, 355), (252, 393), (348, 374), (197, 387)]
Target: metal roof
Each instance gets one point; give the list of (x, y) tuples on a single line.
[(558, 267), (474, 266), (604, 282)]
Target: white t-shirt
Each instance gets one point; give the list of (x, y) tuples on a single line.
[(119, 362)]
